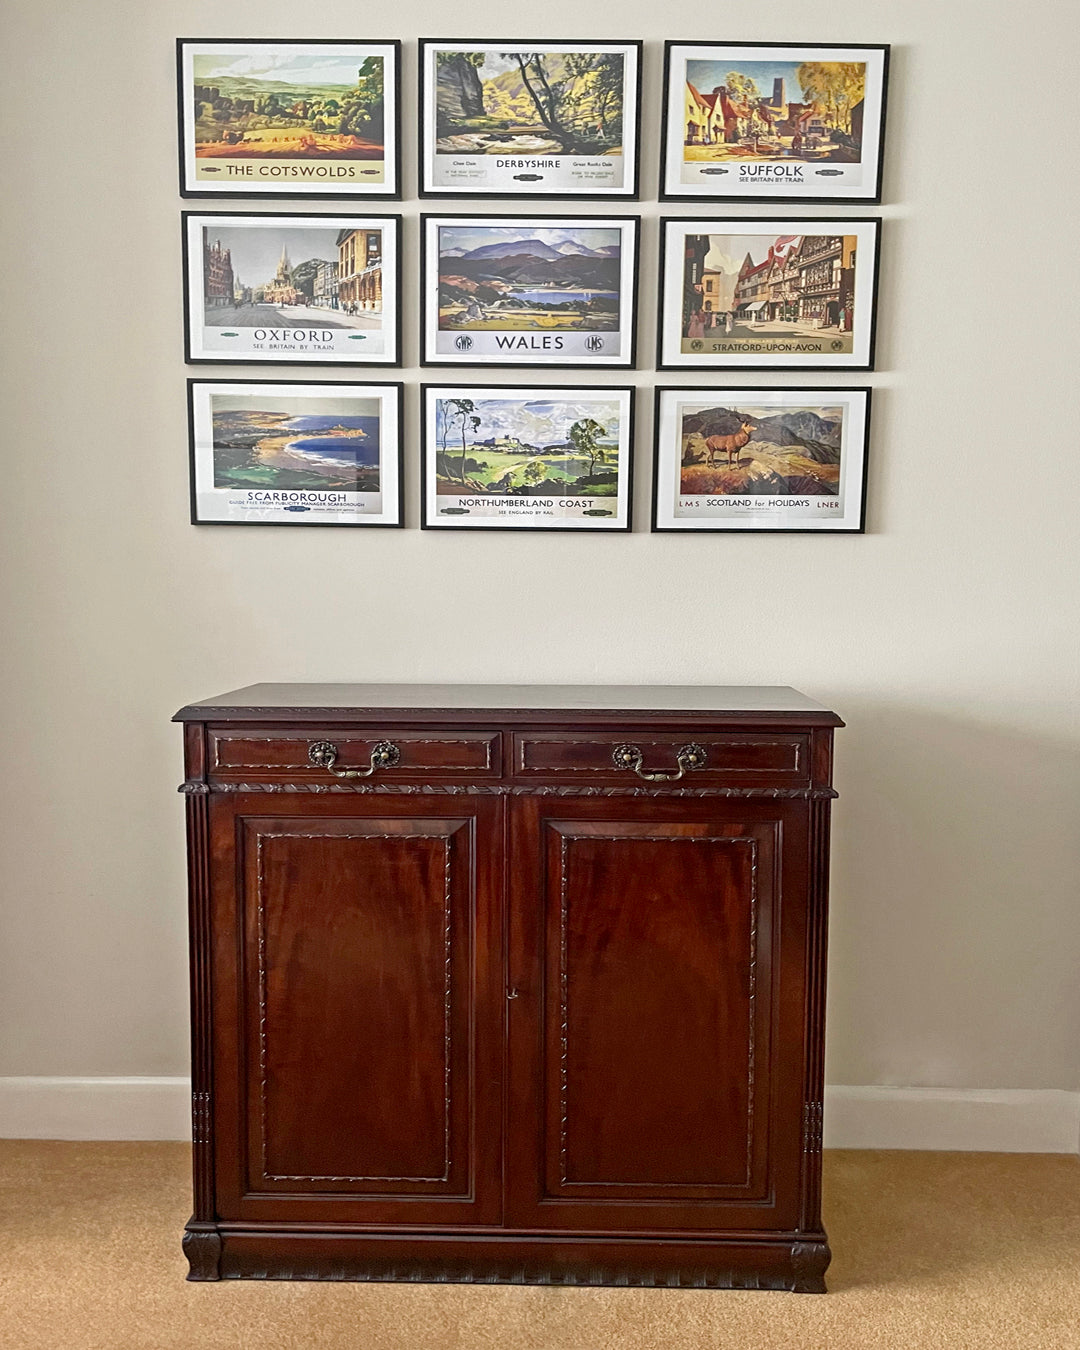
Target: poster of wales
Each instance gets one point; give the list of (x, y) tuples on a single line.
[(296, 119), (551, 122), (541, 290), (773, 122), (295, 454), (532, 458), (294, 288), (765, 459)]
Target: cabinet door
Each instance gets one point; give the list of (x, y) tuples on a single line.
[(657, 1034), (358, 1008)]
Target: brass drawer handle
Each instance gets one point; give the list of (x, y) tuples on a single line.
[(692, 756), (323, 755)]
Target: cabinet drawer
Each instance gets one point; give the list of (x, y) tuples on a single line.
[(728, 757), (285, 752)]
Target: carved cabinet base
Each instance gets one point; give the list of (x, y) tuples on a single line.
[(508, 984)]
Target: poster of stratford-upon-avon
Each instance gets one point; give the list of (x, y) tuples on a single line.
[(528, 290), (288, 119), (768, 293), (774, 123), (556, 120), (283, 289)]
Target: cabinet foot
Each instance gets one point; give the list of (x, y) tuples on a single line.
[(809, 1262), (202, 1247)]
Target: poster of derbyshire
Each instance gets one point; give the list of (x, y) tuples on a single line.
[(766, 297), (294, 454), (774, 122), (288, 119), (529, 291), (527, 458), (773, 459), (292, 288), (558, 121)]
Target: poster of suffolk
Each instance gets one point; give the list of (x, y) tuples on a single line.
[(295, 454), (760, 459), (773, 122), (540, 290), (531, 458), (768, 294), (561, 121), (288, 119), (282, 289)]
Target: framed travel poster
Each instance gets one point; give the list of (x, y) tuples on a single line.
[(264, 453), (263, 117), (497, 458), (768, 122), (549, 119), (528, 290), (767, 294), (761, 459), (284, 290)]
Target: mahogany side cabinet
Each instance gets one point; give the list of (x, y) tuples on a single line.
[(508, 984)]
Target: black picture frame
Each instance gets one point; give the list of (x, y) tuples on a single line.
[(398, 455), (396, 274), (872, 198), (748, 222), (495, 389), (423, 137), (630, 328), (389, 193), (766, 391)]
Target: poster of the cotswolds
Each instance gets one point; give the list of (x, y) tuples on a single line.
[(296, 119), (560, 121)]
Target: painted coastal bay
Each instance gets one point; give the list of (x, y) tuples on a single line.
[(333, 453)]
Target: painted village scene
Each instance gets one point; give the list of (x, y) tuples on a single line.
[(538, 279), (763, 451), (291, 444), (534, 447), (256, 277), (754, 286), (528, 103), (268, 102), (809, 110)]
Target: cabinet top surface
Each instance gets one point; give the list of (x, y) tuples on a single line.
[(356, 699)]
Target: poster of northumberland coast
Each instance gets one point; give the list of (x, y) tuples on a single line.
[(555, 121), (527, 458), (295, 454), (297, 119), (774, 123)]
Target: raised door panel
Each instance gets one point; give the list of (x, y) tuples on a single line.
[(646, 1036), (367, 1053)]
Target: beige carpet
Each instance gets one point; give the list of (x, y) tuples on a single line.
[(964, 1250)]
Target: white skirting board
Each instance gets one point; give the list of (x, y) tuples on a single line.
[(993, 1120)]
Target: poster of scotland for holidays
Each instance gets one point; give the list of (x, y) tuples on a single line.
[(532, 458), (558, 121), (539, 290), (295, 454), (292, 288)]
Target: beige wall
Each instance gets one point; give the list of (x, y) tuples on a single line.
[(947, 636)]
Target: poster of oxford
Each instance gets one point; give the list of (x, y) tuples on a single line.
[(292, 289)]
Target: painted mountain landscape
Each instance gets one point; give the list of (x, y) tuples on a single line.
[(528, 103), (325, 451), (762, 451), (534, 447), (499, 278)]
